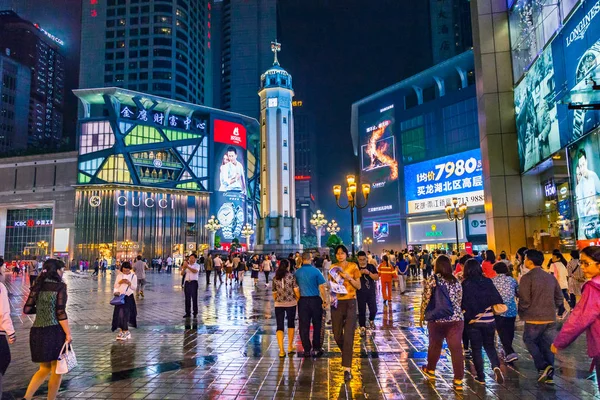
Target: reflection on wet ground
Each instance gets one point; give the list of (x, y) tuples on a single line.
[(230, 352)]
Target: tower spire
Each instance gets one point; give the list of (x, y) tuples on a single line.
[(275, 48)]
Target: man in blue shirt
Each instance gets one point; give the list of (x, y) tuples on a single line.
[(312, 290)]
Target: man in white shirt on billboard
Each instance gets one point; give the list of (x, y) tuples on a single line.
[(232, 175), (587, 190)]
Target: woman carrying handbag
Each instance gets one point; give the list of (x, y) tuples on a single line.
[(50, 331), (7, 333), (125, 312)]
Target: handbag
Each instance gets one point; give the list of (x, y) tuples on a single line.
[(440, 305), (66, 360), (119, 299), (499, 308)]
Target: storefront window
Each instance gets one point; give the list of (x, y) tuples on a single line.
[(28, 234)]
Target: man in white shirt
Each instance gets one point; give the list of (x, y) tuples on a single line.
[(169, 264), (139, 268), (232, 175), (190, 288), (218, 263)]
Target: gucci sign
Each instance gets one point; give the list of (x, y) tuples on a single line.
[(148, 202)]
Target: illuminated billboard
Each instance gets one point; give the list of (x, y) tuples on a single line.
[(379, 168), (230, 184), (430, 185)]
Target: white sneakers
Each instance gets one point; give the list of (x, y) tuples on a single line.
[(124, 335)]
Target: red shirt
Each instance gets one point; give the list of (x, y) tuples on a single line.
[(488, 269)]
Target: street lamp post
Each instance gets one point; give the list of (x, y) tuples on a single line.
[(333, 228), (351, 193), (456, 212), (318, 221), (247, 231), (212, 226), (128, 245), (368, 241)]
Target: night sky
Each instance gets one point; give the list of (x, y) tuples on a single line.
[(338, 52)]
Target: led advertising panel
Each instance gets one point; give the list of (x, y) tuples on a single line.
[(435, 231), (584, 158), (430, 185), (379, 168), (536, 114), (229, 198)]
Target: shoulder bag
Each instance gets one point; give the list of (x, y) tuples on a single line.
[(66, 360), (119, 299), (440, 305)]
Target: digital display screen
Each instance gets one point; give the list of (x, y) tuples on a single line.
[(230, 181), (430, 185), (379, 168), (584, 159)]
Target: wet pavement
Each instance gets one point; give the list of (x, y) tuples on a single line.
[(231, 352)]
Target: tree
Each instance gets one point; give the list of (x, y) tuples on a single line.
[(235, 245), (332, 242), (217, 242)]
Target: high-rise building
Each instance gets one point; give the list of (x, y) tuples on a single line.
[(451, 32), (243, 31), (38, 50), (14, 104), (161, 47), (305, 160)]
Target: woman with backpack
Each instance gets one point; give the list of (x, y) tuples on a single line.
[(478, 301), (444, 321)]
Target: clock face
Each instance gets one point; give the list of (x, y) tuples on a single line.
[(226, 215), (273, 102)]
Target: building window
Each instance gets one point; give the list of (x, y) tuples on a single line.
[(96, 136), (286, 214), (285, 190), (285, 167), (285, 120), (284, 143)]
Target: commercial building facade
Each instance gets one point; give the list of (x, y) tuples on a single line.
[(536, 71), (14, 104), (28, 45), (151, 172), (158, 47), (417, 147)]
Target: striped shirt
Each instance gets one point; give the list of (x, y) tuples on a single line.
[(485, 317)]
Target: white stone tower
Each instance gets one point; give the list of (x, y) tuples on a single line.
[(278, 228)]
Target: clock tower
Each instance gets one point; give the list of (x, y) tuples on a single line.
[(278, 227)]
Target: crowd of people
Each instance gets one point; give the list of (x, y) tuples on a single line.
[(468, 300)]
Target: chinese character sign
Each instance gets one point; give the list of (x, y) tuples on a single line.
[(431, 184)]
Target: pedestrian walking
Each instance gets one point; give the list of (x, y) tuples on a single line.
[(103, 265), (343, 306), (139, 268), (190, 288), (539, 298), (586, 314), (96, 267), (125, 314), (508, 288), (313, 300), (557, 267), (402, 272), (255, 269), (7, 333), (479, 298), (228, 272), (266, 269), (201, 262), (487, 265), (218, 263), (386, 275), (33, 271), (367, 294), (443, 323), (240, 270), (209, 265), (576, 278), (426, 264), (169, 264), (326, 264), (412, 264), (50, 331), (285, 294)]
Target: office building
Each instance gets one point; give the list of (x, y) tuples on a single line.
[(38, 50), (242, 33), (417, 147), (157, 47), (451, 32), (15, 92)]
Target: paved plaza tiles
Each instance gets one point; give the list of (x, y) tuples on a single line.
[(230, 352)]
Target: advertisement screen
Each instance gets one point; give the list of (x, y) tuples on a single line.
[(584, 158), (536, 113), (379, 168), (430, 185), (435, 231), (229, 197)]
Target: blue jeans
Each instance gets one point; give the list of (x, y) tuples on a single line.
[(538, 339)]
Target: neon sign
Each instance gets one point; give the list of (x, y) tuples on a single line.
[(51, 36)]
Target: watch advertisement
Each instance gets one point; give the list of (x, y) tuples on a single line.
[(379, 168), (229, 198)]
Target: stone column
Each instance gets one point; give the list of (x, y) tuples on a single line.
[(498, 135)]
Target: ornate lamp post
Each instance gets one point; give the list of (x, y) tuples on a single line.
[(42, 244), (318, 221), (247, 231), (127, 245), (368, 241), (333, 228), (212, 226), (456, 212), (351, 193)]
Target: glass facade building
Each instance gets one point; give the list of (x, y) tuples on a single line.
[(26, 228), (147, 177)]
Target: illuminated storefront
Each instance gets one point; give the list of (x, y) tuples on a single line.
[(151, 170)]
